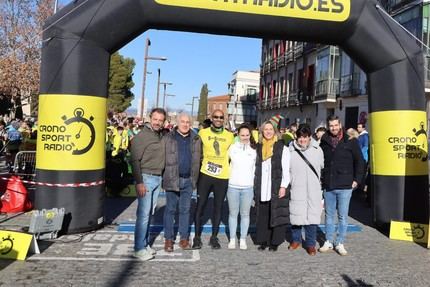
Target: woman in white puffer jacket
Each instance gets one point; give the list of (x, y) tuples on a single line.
[(240, 191)]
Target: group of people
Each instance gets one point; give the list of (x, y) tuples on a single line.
[(286, 182), (16, 135)]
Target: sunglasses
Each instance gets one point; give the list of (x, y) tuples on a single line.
[(218, 117)]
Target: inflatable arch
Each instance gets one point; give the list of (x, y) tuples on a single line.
[(78, 41)]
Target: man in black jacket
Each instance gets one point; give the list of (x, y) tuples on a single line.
[(183, 155), (343, 171)]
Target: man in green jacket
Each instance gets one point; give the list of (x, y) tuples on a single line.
[(147, 161)]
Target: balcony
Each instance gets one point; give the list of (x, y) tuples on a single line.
[(281, 61), (350, 85), (298, 49), (327, 90), (266, 68), (273, 65), (293, 99), (284, 100), (290, 56), (306, 98)]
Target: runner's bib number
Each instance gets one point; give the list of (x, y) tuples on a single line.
[(213, 168)]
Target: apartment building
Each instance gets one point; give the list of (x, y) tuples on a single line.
[(306, 82), (242, 91)]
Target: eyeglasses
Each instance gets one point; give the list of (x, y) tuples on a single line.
[(218, 117)]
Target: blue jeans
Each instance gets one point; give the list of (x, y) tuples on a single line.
[(336, 198), (145, 208), (239, 199), (310, 234), (184, 198)]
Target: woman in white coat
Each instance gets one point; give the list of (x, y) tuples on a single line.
[(307, 160), (240, 191)]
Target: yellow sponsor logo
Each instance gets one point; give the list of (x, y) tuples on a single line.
[(14, 245), (408, 231), (326, 10), (399, 143), (71, 132)]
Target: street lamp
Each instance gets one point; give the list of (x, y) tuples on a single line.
[(145, 65), (192, 106), (55, 6), (165, 86), (167, 95)]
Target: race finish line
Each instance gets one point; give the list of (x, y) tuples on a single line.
[(108, 246), (128, 227)]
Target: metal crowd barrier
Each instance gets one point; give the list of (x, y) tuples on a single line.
[(25, 164)]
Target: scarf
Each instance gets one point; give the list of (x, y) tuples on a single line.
[(336, 139), (267, 148)]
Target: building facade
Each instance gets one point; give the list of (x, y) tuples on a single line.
[(218, 103), (306, 82), (242, 91)]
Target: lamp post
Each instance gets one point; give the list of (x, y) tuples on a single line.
[(158, 88), (55, 6), (192, 106), (145, 65), (167, 95), (164, 97)]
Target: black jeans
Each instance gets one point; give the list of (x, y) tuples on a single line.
[(266, 234), (206, 185)]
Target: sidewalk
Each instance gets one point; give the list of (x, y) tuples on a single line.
[(103, 258)]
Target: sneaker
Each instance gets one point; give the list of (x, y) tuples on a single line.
[(214, 242), (232, 244), (143, 255), (197, 243), (326, 247), (242, 244), (341, 249), (150, 250)]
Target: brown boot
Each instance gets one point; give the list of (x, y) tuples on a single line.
[(168, 245), (185, 244)]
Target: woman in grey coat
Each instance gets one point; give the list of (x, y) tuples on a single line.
[(307, 160)]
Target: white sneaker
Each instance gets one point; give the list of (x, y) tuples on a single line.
[(326, 247), (143, 255), (242, 244), (150, 250), (341, 249), (232, 244)]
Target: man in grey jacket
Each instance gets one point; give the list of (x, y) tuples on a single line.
[(183, 156), (147, 161)]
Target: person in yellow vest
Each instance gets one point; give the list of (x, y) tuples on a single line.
[(214, 175), (120, 142), (290, 134)]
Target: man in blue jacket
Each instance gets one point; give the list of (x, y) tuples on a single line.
[(342, 173)]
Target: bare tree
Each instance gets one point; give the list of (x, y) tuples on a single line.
[(20, 49)]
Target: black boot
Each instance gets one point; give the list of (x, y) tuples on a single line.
[(214, 242), (197, 243)]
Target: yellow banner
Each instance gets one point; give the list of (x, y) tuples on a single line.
[(14, 245), (326, 10), (408, 231), (71, 132), (399, 143)]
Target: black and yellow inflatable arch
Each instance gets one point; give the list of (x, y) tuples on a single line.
[(74, 75)]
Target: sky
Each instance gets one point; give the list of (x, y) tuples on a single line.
[(192, 60)]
